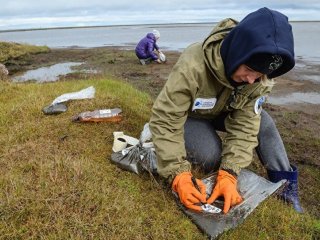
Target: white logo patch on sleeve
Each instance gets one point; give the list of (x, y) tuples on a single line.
[(258, 104), (204, 103)]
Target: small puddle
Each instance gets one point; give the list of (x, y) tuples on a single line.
[(311, 77), (47, 74), (297, 97), (307, 72), (52, 73)]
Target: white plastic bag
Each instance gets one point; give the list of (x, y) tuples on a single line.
[(162, 57), (82, 94), (145, 134)]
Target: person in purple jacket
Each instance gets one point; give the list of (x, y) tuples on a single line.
[(147, 49)]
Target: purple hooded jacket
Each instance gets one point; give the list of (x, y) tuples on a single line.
[(146, 46)]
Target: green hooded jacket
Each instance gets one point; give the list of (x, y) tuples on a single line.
[(198, 87)]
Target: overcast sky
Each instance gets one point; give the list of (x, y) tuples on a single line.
[(18, 14)]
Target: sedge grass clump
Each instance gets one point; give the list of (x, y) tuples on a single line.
[(10, 50)]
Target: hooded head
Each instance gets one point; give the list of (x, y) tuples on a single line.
[(264, 63), (263, 41), (156, 33)]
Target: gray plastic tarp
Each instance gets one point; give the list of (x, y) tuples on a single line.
[(253, 189)]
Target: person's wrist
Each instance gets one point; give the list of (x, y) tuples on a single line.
[(177, 178), (222, 174), (230, 171)]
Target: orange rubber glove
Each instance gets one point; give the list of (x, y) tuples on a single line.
[(189, 195), (226, 186)]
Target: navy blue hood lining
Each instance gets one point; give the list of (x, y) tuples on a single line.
[(262, 31)]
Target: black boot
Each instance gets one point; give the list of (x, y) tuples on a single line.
[(290, 193)]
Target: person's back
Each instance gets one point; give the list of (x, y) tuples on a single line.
[(146, 46)]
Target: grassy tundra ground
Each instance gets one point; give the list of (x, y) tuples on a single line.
[(57, 181)]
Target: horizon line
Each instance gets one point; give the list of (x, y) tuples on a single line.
[(123, 25)]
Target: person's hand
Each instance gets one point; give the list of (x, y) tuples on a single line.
[(158, 61), (189, 195), (226, 186)]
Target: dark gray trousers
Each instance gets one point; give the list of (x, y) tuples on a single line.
[(203, 144)]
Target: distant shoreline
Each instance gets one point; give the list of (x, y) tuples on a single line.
[(174, 36), (128, 25), (108, 26)]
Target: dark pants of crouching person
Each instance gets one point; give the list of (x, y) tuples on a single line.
[(203, 146)]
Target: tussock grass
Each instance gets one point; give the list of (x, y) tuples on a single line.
[(57, 182), (10, 50)]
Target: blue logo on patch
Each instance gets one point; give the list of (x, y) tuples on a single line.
[(198, 103), (258, 104), (261, 100)]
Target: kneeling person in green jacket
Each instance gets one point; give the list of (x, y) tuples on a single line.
[(220, 85)]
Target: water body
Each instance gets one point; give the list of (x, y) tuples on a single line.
[(308, 72), (47, 74), (297, 97), (173, 37)]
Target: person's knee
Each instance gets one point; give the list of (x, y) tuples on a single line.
[(202, 143)]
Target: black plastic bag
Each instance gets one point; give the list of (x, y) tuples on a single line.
[(136, 159)]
